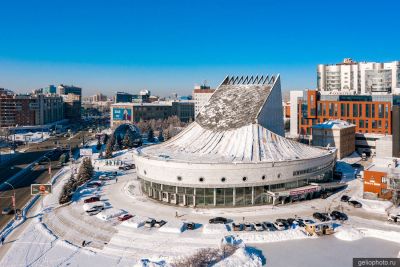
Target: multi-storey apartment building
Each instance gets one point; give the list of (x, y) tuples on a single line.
[(201, 95), (359, 77), (34, 109)]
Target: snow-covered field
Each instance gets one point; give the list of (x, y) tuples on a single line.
[(53, 236)]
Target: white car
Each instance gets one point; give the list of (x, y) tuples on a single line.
[(258, 226), (280, 226)]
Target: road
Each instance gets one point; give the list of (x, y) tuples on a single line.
[(38, 174)]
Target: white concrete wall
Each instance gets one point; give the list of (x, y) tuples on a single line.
[(271, 114), (167, 172), (294, 97)]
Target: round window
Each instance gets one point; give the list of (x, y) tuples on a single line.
[(201, 179), (145, 172), (223, 179), (279, 175), (179, 178), (263, 177), (244, 179)]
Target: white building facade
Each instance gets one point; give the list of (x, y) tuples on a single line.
[(350, 77), (201, 94)]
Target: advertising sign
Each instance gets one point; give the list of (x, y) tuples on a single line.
[(40, 189), (122, 114), (85, 152)]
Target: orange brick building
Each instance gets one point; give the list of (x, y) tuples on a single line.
[(370, 113), (375, 182)]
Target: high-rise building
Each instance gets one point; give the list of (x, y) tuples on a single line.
[(201, 95), (72, 96), (350, 77)]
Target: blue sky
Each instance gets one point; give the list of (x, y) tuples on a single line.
[(168, 46)]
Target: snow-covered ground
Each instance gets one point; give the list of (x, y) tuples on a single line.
[(54, 234)]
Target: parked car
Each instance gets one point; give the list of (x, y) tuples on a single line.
[(7, 211), (290, 221), (217, 220), (237, 226), (94, 184), (104, 177), (258, 226), (326, 194), (268, 226), (91, 199), (337, 215), (191, 225), (279, 226), (95, 210), (308, 221), (319, 216), (284, 222), (160, 223), (124, 217), (300, 222), (394, 218), (355, 203), (345, 198), (150, 223), (327, 217), (248, 227)]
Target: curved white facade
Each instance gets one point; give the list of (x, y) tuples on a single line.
[(232, 156)]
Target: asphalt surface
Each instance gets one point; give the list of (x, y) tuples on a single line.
[(38, 174)]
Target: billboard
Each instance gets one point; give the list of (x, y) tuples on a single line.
[(122, 114), (40, 189), (85, 152)]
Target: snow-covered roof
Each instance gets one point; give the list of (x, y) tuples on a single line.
[(227, 130), (251, 143), (333, 124), (235, 103)]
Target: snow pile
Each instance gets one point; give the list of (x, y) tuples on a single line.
[(348, 234), (110, 213), (173, 227), (241, 257), (379, 206), (215, 229), (134, 222), (276, 236), (393, 236)]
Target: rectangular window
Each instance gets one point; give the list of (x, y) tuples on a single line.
[(324, 109), (348, 110), (373, 124), (380, 110), (366, 124), (319, 109), (367, 110), (342, 110), (330, 109), (373, 111), (360, 110), (336, 110), (379, 124), (355, 110), (386, 111), (361, 123)]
